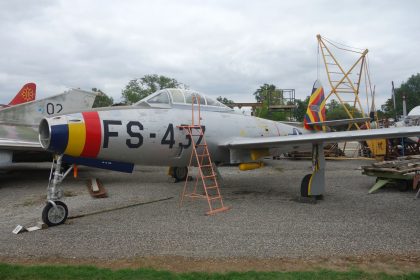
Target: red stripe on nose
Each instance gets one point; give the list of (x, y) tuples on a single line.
[(93, 135)]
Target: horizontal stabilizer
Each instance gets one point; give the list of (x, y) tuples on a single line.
[(340, 122), (296, 124), (103, 164)]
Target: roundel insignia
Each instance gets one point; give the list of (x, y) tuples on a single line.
[(28, 94)]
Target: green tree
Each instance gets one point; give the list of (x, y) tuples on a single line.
[(302, 106), (411, 89), (268, 94), (265, 113), (102, 100), (138, 89), (225, 100), (336, 111)]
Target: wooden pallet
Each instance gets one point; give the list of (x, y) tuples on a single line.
[(402, 171)]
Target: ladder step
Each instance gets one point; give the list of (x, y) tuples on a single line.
[(217, 210), (209, 176), (212, 187), (216, 197), (207, 165)]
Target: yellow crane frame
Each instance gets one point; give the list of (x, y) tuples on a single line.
[(343, 84)]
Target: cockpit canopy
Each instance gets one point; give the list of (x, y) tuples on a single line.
[(174, 97)]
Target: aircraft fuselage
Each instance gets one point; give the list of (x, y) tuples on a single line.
[(151, 136)]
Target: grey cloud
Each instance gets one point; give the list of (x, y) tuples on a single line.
[(218, 47)]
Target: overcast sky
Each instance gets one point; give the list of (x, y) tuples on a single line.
[(226, 48)]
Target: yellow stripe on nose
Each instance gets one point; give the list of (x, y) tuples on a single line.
[(77, 138)]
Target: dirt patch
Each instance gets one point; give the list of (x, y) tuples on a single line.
[(392, 264)]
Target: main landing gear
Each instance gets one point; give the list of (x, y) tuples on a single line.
[(313, 185), (55, 211), (179, 173)]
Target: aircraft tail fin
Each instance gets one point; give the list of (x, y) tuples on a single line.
[(316, 108), (26, 94)]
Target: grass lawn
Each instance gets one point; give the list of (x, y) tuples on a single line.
[(88, 272)]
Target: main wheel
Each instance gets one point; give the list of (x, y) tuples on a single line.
[(180, 173), (304, 186), (54, 216)]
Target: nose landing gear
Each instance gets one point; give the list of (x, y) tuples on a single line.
[(55, 211)]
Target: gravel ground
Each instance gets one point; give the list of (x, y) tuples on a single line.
[(265, 221)]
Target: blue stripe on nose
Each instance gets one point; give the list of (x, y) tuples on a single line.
[(59, 138)]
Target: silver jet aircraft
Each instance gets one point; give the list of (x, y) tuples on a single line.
[(149, 133), (19, 124)]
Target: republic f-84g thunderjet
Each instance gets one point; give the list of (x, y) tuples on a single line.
[(150, 133)]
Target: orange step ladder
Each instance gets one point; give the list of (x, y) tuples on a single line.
[(200, 157)]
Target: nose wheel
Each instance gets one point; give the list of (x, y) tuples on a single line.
[(55, 213)]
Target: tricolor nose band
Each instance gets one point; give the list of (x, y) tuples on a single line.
[(74, 136)]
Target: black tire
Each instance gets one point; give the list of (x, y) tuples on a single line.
[(304, 186), (404, 185), (180, 173), (51, 217)]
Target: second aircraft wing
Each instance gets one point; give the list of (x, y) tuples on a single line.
[(14, 144), (317, 138)]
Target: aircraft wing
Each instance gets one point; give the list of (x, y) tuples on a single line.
[(13, 144), (320, 137)]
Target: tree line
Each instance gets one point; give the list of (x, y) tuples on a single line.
[(267, 94)]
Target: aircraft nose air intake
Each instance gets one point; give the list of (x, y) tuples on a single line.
[(77, 135), (53, 134), (44, 134)]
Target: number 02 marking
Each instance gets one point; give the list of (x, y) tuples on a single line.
[(54, 109)]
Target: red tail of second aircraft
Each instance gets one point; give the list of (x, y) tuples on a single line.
[(26, 94)]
